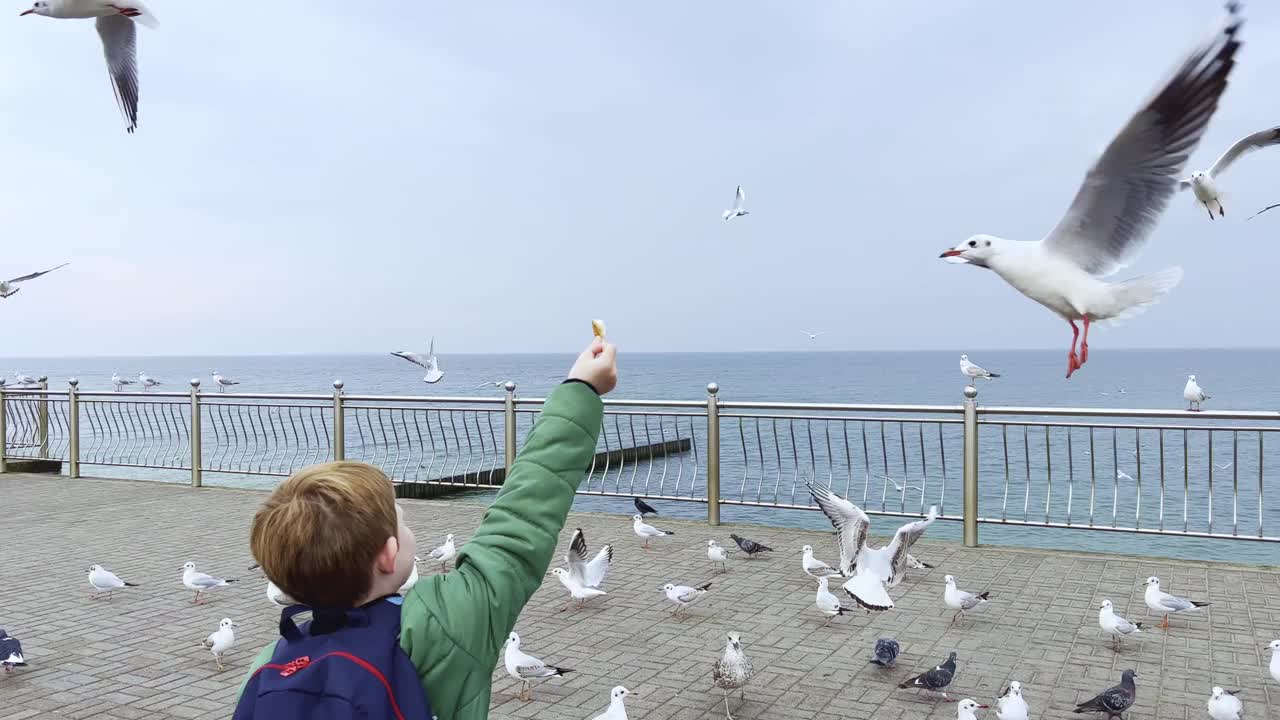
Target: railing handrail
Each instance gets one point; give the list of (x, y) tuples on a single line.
[(1151, 413)]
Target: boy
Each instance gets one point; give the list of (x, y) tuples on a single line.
[(331, 537)]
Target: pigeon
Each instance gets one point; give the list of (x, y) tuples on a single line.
[(646, 531), (1193, 394), (827, 603), (750, 547), (885, 653), (1118, 204), (732, 671), (935, 680), (739, 199), (617, 709), (644, 508), (221, 640), (577, 592), (588, 574), (964, 711), (445, 553), (1224, 705), (8, 287), (118, 381), (1163, 602), (223, 382), (813, 567), (527, 668), (717, 554), (973, 372), (960, 600), (412, 580), (430, 362), (1113, 701), (10, 652), (200, 582), (1275, 660), (1011, 706), (278, 597), (1114, 625), (105, 581), (684, 596), (1203, 183), (873, 570)]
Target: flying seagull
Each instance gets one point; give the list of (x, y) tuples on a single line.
[(1203, 183), (8, 287), (1118, 204), (737, 210), (430, 362)]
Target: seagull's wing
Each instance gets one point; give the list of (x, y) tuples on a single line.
[(107, 579), (1269, 207), (35, 275), (1175, 604), (687, 595), (412, 357), (1127, 189), (120, 45), (595, 570), (535, 669), (739, 198), (576, 557), (200, 579), (849, 519), (905, 538), (431, 348), (1244, 146)]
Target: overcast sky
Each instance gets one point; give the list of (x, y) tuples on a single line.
[(346, 177)]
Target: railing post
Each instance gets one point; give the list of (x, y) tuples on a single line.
[(509, 426), (196, 454), (339, 424), (970, 466), (73, 423), (42, 426), (713, 455), (4, 427)]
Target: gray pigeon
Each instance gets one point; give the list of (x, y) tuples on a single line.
[(935, 680), (10, 652), (886, 652), (1113, 701), (750, 547)]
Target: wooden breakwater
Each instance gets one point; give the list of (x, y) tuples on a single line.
[(494, 477)]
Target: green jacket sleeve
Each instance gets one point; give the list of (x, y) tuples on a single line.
[(453, 625)]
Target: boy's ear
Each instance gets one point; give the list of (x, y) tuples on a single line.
[(385, 562)]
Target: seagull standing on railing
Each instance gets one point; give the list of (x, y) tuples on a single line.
[(118, 381), (973, 372), (1193, 394), (147, 381), (1118, 204), (430, 362), (223, 383), (23, 379), (7, 287)]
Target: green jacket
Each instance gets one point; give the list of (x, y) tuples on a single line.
[(453, 626)]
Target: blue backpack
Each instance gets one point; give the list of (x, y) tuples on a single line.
[(341, 664)]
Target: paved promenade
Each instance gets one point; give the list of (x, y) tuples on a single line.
[(139, 654)]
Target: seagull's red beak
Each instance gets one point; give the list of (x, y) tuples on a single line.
[(950, 253), (28, 12), (985, 707)]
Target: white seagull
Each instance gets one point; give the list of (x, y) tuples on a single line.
[(147, 381), (278, 597), (647, 531), (812, 335), (1118, 205), (223, 382), (24, 379), (973, 372), (1114, 625), (1275, 660), (221, 640), (589, 574), (1011, 705), (960, 600), (737, 210), (827, 603), (412, 580), (1163, 602), (872, 571), (1203, 183), (1193, 394), (617, 707), (1224, 705), (578, 593), (9, 287), (200, 582), (430, 362), (814, 567), (119, 41), (527, 668), (445, 553), (683, 596), (965, 709), (103, 580), (118, 381), (717, 554)]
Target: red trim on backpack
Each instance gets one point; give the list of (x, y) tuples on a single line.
[(289, 668)]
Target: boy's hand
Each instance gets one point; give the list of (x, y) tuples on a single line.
[(597, 366)]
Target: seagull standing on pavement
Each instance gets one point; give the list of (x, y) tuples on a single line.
[(201, 583), (717, 554), (1114, 625), (961, 600), (617, 707), (732, 671), (1163, 602), (684, 596), (646, 531), (814, 567), (445, 553), (221, 640), (827, 603), (105, 581), (527, 668), (1224, 705), (1011, 705)]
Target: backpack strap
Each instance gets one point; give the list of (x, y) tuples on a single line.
[(331, 620)]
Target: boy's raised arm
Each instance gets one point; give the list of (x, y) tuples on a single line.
[(505, 561)]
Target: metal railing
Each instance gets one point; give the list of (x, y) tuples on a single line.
[(1201, 474)]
